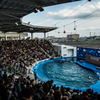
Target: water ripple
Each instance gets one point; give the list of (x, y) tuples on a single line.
[(69, 74)]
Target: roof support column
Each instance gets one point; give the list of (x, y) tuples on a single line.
[(19, 36), (11, 37), (44, 35), (31, 35), (5, 36)]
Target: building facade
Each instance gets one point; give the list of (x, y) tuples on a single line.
[(65, 50), (13, 36), (73, 36)]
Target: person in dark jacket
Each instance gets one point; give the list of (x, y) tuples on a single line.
[(26, 94), (47, 86), (4, 92)]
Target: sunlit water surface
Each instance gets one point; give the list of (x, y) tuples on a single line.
[(69, 74)]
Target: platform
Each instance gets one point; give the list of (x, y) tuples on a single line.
[(95, 87)]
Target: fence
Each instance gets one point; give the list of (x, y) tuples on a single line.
[(81, 52)]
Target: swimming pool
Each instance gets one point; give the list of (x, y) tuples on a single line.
[(69, 74), (43, 77)]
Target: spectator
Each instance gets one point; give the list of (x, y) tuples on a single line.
[(26, 94), (35, 76), (85, 96), (36, 97), (57, 95), (1, 74), (64, 98), (4, 94), (5, 75), (47, 86)]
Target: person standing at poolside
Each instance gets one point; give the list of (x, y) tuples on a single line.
[(61, 57), (35, 75)]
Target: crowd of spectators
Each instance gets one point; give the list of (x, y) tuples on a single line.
[(21, 88), (17, 55), (47, 46)]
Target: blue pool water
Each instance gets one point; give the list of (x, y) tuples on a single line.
[(69, 73)]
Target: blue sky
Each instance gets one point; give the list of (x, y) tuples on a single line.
[(63, 14)]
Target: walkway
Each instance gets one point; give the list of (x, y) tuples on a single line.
[(95, 87)]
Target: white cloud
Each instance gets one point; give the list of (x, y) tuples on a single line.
[(89, 28), (69, 13), (63, 13), (84, 26), (43, 22)]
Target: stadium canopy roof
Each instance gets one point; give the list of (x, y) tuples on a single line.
[(12, 12)]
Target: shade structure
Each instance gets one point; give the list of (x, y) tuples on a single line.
[(12, 12)]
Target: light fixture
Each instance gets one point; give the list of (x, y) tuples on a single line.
[(16, 23), (41, 8), (28, 23), (31, 28), (46, 30), (35, 10)]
